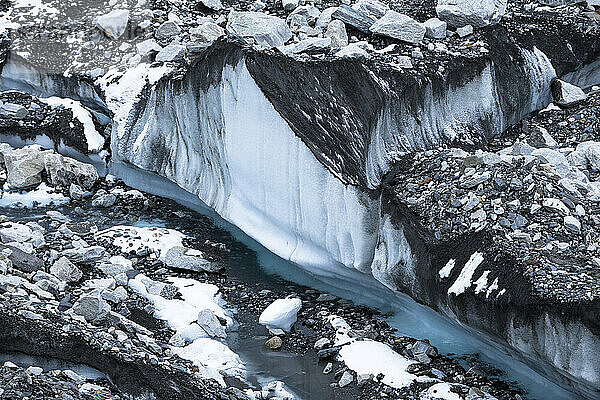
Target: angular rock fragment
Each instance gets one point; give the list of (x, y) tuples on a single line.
[(566, 94), (374, 8), (114, 23), (207, 32), (399, 26), (435, 28), (64, 270), (266, 30), (478, 13), (24, 167), (336, 31), (63, 171), (182, 258), (172, 52), (355, 18), (167, 30)]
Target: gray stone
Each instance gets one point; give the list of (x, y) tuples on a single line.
[(148, 46), (211, 324), (311, 13), (539, 137), (15, 111), (85, 255), (363, 379), (114, 23), (207, 32), (104, 201), (328, 368), (23, 261), (374, 8), (325, 17), (167, 30), (274, 343), (63, 171), (355, 18), (586, 156), (478, 13), (346, 379), (289, 5), (464, 31), (267, 30), (352, 51), (322, 343), (64, 270), (15, 233), (312, 45), (336, 31), (435, 28), (34, 371), (572, 224), (76, 192), (212, 4), (24, 167), (182, 258), (566, 94), (172, 52), (91, 307), (399, 26)]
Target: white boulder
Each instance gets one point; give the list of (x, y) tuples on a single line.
[(435, 28), (281, 314), (566, 94), (114, 23), (399, 26), (267, 30), (478, 13)]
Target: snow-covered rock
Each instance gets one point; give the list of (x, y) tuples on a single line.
[(266, 30), (478, 13), (114, 23), (399, 26), (281, 314), (179, 257)]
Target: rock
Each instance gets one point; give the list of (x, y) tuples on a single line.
[(311, 45), (91, 307), (16, 111), (148, 46), (326, 17), (336, 31), (76, 192), (374, 8), (34, 371), (63, 171), (24, 167), (478, 13), (464, 31), (586, 156), (15, 233), (85, 255), (363, 379), (539, 137), (322, 343), (173, 52), (167, 30), (114, 23), (289, 5), (346, 379), (352, 51), (23, 261), (566, 94), (212, 4), (572, 224), (104, 200), (556, 205), (435, 28), (188, 259), (328, 368), (281, 314), (64, 270), (355, 18), (268, 31), (211, 324), (274, 343), (311, 13), (207, 32), (399, 26)]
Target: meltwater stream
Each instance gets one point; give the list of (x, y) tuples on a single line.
[(409, 318)]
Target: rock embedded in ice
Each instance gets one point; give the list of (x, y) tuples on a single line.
[(289, 5), (336, 31), (114, 23), (464, 31), (478, 13), (435, 28), (167, 30), (566, 94), (399, 26), (172, 52), (355, 18), (572, 224), (207, 32), (15, 233), (352, 51), (179, 257), (24, 167), (65, 270), (63, 171), (211, 324), (281, 314), (374, 8), (267, 30)]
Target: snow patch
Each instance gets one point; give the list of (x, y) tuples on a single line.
[(41, 196), (129, 238), (447, 269), (463, 282)]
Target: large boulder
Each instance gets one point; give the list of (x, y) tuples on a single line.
[(65, 270), (62, 171), (24, 167), (336, 31), (478, 13), (566, 94), (281, 314), (266, 30), (114, 23), (357, 19), (22, 261), (399, 26), (179, 257)]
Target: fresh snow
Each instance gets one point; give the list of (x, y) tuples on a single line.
[(440, 391), (281, 314), (447, 269), (129, 238), (95, 140), (41, 196), (463, 281), (370, 357)]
